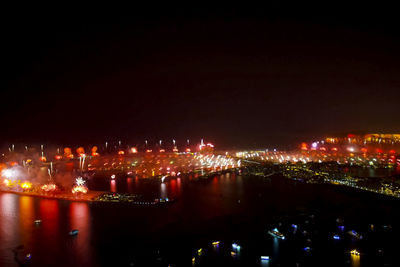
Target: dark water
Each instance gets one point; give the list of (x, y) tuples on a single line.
[(117, 234)]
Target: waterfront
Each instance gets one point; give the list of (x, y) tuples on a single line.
[(229, 208)]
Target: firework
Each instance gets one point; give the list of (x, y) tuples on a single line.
[(79, 181), (79, 189), (7, 183), (26, 185), (8, 173), (49, 187)]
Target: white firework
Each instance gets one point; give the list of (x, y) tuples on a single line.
[(80, 181)]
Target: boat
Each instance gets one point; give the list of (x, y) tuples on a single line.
[(235, 246), (275, 233), (74, 232), (37, 221), (265, 258), (355, 234)]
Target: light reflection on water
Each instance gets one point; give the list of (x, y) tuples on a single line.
[(79, 218), (8, 217), (265, 263), (164, 191), (113, 186), (26, 214), (355, 261), (49, 214), (201, 202), (275, 247), (129, 184)]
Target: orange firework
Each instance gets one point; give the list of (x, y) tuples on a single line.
[(79, 189), (94, 151), (49, 187), (80, 150), (26, 185)]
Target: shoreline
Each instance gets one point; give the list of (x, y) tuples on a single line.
[(89, 197)]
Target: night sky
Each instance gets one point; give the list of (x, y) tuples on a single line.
[(237, 76)]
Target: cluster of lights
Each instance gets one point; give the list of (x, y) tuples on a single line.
[(212, 161), (26, 185), (80, 186), (79, 189), (49, 187)]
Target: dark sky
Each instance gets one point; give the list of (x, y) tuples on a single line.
[(239, 76)]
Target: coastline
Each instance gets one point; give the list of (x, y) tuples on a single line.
[(89, 197)]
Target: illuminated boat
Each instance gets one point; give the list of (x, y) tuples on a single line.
[(275, 233), (355, 234), (37, 221), (235, 246), (74, 232)]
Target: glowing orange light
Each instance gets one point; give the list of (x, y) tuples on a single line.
[(26, 185), (49, 187), (94, 151), (187, 149), (162, 150), (121, 152), (58, 157), (43, 159), (79, 189), (364, 150), (80, 150), (148, 151), (134, 150), (304, 146), (392, 151), (334, 149)]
